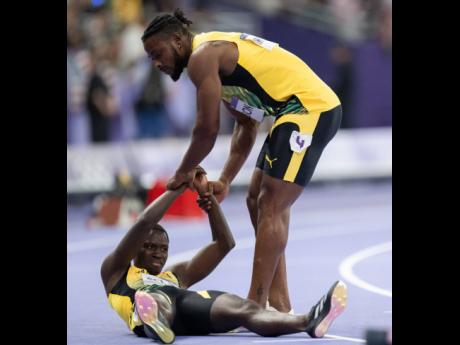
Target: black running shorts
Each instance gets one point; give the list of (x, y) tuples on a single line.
[(192, 310), (295, 144)]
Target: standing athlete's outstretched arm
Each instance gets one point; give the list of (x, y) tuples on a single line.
[(203, 68), (243, 138)]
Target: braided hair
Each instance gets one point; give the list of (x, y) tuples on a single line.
[(168, 24)]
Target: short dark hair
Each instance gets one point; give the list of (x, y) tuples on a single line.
[(168, 24), (158, 227)]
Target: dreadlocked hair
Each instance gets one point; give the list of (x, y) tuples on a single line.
[(168, 24)]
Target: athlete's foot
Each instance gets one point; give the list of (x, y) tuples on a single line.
[(329, 307), (155, 326)]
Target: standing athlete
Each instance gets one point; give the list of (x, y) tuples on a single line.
[(254, 78)]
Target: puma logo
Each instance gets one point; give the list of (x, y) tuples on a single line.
[(270, 161)]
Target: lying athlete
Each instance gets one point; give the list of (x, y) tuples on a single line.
[(157, 303)]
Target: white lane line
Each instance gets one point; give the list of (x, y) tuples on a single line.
[(248, 242), (79, 246), (346, 267), (307, 231), (338, 337), (327, 337), (292, 340)]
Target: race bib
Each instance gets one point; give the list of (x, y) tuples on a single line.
[(149, 279), (259, 41), (299, 142), (246, 109)]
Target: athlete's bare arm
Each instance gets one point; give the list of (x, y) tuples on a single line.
[(204, 66), (117, 261), (207, 259), (243, 138)]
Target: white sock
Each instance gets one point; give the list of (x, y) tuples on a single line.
[(269, 307)]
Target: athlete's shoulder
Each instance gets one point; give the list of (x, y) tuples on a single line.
[(170, 276), (214, 38), (135, 269), (203, 61), (213, 34)]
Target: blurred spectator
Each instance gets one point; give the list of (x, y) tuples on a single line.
[(343, 85), (151, 113), (131, 48), (268, 7), (130, 100), (180, 102), (385, 25), (99, 103), (127, 87), (131, 73), (168, 5), (127, 11), (348, 18), (78, 64)]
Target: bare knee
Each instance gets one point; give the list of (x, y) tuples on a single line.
[(266, 203), (271, 222), (253, 192), (254, 187), (251, 202)]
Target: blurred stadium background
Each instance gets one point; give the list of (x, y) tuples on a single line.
[(128, 125), (124, 116)]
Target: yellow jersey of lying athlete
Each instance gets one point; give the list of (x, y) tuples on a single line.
[(121, 298), (268, 80)]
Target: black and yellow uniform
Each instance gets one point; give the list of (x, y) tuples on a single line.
[(270, 81), (121, 298), (191, 309)]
